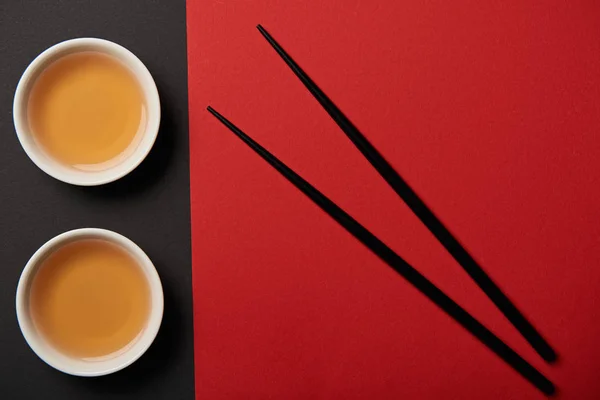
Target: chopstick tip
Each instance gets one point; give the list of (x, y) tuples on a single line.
[(212, 111), (551, 390), (263, 31)]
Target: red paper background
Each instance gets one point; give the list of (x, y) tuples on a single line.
[(490, 110)]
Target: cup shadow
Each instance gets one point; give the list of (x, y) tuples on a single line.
[(157, 359), (162, 354), (148, 174)]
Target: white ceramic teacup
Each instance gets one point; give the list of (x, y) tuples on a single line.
[(134, 155), (108, 364)]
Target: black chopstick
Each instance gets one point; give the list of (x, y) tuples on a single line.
[(397, 263), (420, 209)]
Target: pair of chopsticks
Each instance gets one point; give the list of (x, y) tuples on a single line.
[(427, 217)]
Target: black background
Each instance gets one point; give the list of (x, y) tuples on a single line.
[(150, 206)]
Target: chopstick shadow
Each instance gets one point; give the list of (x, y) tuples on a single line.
[(398, 264), (468, 263), (157, 360), (420, 209)]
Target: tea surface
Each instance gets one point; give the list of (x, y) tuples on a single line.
[(90, 299), (87, 110)]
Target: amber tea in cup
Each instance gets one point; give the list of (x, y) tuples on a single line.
[(87, 110), (89, 299)]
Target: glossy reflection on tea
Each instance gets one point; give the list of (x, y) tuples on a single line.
[(87, 110), (90, 299)]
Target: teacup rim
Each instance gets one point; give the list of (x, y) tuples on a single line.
[(55, 168), (62, 362)]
